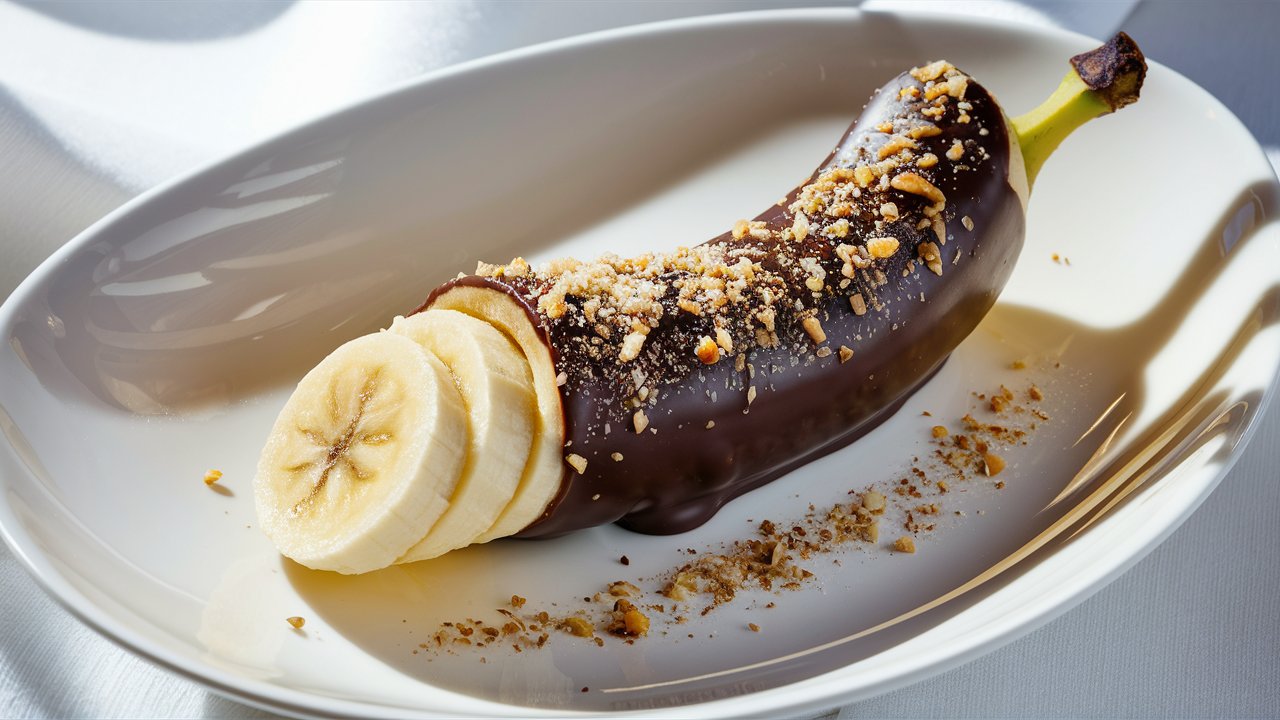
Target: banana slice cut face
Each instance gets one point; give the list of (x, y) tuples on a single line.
[(364, 457), (497, 390)]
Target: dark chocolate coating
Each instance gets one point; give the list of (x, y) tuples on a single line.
[(805, 406)]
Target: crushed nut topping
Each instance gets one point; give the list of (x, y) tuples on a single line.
[(814, 328), (876, 211), (577, 626), (707, 351), (631, 345), (896, 144), (932, 71), (882, 247), (800, 227), (912, 183), (724, 340), (993, 463), (924, 131), (765, 562), (932, 257), (578, 462)]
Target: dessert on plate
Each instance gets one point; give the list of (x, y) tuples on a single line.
[(533, 401)]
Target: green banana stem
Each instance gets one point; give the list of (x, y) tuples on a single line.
[(1101, 81)]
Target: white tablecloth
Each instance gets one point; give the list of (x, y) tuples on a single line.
[(99, 101)]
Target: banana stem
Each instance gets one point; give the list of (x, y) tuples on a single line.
[(1101, 81)]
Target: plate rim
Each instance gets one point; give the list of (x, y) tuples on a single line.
[(822, 691)]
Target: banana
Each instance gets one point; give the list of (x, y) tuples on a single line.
[(541, 478), (690, 377), (651, 390), (497, 390), (364, 456)]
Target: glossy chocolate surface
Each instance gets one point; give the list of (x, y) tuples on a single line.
[(678, 472)]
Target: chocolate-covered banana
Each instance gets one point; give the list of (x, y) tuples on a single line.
[(667, 384)]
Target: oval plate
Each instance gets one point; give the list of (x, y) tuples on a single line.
[(162, 341)]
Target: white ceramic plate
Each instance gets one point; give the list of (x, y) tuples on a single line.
[(163, 340)]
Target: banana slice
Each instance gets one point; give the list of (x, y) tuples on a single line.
[(545, 468), (364, 456), (497, 391)]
